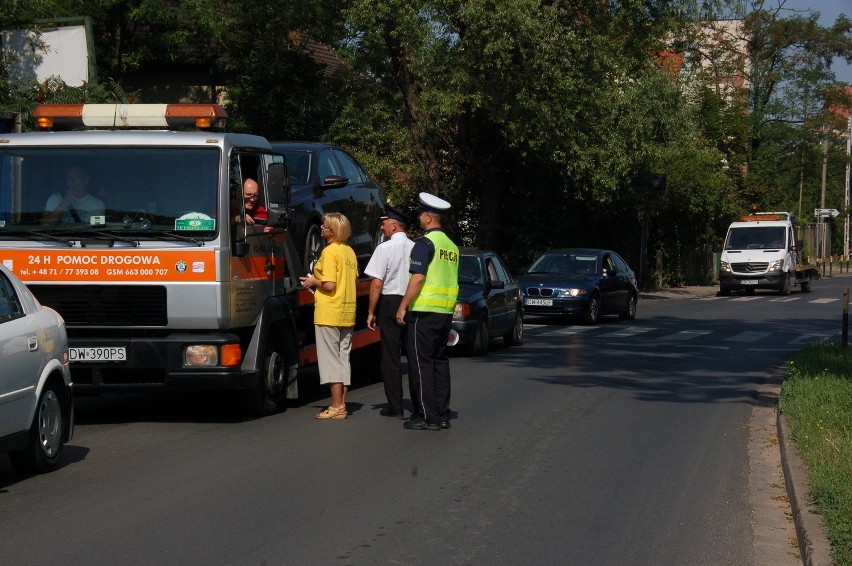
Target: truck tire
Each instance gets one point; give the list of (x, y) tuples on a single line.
[(806, 286), (785, 286), (270, 394)]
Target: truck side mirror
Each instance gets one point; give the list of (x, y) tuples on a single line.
[(278, 177), (240, 248)]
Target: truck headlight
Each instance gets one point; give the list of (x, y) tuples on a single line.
[(777, 265), (725, 266), (201, 355)]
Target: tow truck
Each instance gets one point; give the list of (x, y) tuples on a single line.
[(761, 252), (160, 287)]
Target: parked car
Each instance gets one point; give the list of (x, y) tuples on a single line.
[(36, 399), (325, 178), (489, 302), (584, 283)]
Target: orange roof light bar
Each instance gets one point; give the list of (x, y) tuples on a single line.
[(203, 116)]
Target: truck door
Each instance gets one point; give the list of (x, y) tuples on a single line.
[(257, 266)]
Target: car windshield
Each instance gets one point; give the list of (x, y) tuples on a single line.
[(300, 166), (470, 270), (58, 192), (566, 263), (756, 238)]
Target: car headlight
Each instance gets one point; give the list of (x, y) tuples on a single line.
[(461, 311), (777, 265), (569, 292), (724, 266)]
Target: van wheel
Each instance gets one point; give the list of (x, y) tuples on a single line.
[(45, 436), (725, 291), (270, 394), (785, 287), (313, 247)]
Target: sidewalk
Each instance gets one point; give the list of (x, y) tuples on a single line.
[(778, 483)]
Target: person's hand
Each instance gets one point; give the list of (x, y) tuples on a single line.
[(307, 281), (249, 219), (371, 321), (400, 317)]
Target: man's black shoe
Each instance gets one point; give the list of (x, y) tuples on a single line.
[(420, 424), (388, 412), (445, 424)]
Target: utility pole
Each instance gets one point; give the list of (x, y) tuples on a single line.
[(822, 225), (848, 166)]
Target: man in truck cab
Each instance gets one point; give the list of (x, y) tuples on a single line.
[(75, 205)]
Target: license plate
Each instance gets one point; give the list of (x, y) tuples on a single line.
[(749, 281), (101, 354), (539, 302)]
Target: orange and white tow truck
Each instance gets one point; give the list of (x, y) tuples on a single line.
[(159, 286)]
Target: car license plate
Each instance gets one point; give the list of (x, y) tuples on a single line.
[(102, 354), (539, 302), (749, 281)]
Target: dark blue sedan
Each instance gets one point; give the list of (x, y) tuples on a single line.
[(581, 283), (489, 303)]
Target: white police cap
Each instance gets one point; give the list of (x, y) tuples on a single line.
[(431, 203)]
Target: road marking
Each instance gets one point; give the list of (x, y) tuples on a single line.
[(627, 332), (748, 336), (823, 301), (810, 338), (685, 335), (745, 299), (569, 330), (785, 299)]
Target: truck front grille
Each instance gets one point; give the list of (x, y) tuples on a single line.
[(106, 305), (750, 267)]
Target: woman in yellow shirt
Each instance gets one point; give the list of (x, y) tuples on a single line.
[(334, 278)]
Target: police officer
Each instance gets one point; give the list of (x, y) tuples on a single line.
[(389, 269), (430, 299)]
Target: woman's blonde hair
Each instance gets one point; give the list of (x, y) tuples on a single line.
[(339, 226)]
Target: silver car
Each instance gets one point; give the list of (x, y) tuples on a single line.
[(36, 399)]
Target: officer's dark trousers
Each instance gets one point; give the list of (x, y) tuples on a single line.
[(392, 336), (428, 366)]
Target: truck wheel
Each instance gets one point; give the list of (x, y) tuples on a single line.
[(785, 287), (806, 286), (45, 437), (270, 394)]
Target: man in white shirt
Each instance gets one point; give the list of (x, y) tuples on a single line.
[(76, 205), (389, 269)]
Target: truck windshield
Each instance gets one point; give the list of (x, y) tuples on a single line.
[(112, 190), (756, 238)]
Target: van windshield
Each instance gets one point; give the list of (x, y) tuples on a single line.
[(58, 191), (756, 238)]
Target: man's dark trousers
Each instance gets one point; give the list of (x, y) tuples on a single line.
[(428, 365), (392, 337)]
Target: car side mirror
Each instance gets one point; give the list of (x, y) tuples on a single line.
[(334, 182)]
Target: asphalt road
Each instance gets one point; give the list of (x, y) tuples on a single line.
[(624, 443)]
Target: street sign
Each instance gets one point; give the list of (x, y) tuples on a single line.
[(826, 212)]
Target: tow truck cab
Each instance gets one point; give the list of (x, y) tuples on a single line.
[(160, 285)]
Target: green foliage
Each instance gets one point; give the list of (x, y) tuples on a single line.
[(817, 400)]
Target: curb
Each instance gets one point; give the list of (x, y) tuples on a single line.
[(814, 545)]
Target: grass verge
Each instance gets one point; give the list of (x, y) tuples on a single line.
[(817, 400)]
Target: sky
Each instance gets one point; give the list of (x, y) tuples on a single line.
[(829, 10)]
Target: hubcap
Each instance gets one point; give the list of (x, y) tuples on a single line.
[(50, 423)]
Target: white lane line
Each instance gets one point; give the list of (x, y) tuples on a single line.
[(748, 336), (626, 332), (685, 335), (823, 301)]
